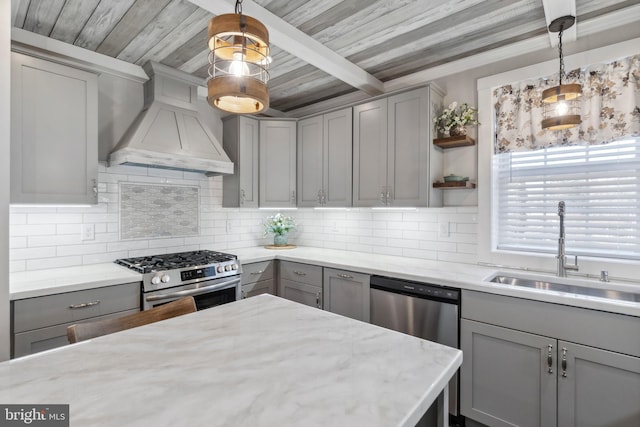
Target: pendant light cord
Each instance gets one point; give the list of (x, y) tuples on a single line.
[(561, 55)]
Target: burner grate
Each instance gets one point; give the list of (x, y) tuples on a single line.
[(148, 264)]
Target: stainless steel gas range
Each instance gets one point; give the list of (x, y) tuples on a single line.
[(212, 278)]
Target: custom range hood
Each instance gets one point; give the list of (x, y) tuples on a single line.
[(169, 133)]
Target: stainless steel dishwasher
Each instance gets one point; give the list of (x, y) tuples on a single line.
[(424, 310)]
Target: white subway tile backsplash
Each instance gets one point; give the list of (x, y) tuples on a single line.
[(32, 253), (50, 237), (51, 218)]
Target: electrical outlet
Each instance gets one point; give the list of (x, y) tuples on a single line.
[(443, 228), (87, 232)]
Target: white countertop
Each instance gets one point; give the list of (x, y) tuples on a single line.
[(262, 361), (464, 276)]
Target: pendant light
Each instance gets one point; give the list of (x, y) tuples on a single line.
[(561, 103), (238, 63)]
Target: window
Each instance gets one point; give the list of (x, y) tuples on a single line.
[(600, 185)]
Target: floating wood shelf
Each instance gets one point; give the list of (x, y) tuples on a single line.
[(454, 185), (454, 141)]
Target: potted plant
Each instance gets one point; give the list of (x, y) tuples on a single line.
[(280, 226), (454, 119)]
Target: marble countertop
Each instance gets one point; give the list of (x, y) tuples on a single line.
[(463, 276), (262, 361)]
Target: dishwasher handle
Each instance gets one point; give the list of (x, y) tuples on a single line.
[(416, 289)]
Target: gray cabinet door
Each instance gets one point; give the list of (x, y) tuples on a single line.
[(370, 153), (301, 292), (240, 140), (310, 161), (277, 163), (346, 293), (505, 377), (54, 133), (597, 388), (408, 148), (337, 156)]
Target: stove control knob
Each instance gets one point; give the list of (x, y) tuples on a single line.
[(220, 269), (227, 267), (165, 278), (155, 280), (234, 267)]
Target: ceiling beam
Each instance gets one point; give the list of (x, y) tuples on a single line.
[(289, 38), (555, 9)]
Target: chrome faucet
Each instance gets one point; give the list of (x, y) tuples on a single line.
[(562, 257)]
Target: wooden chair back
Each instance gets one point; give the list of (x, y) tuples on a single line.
[(96, 328)]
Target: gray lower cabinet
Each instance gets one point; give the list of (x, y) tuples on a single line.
[(240, 139), (40, 323), (324, 159), (530, 363), (347, 293), (54, 132), (258, 278), (277, 163), (601, 388), (301, 283), (506, 382)]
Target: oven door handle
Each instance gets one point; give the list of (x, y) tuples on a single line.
[(189, 292)]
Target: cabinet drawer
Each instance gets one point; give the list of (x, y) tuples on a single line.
[(304, 273), (37, 340), (257, 271), (39, 312), (257, 288)]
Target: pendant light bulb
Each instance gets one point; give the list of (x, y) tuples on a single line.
[(238, 66)]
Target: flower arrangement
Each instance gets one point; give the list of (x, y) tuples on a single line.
[(455, 117), (279, 224)]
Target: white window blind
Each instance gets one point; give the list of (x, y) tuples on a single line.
[(600, 185)]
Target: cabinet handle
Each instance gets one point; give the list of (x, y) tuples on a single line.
[(564, 362), (549, 359), (319, 197), (300, 273), (318, 300), (255, 273), (345, 276), (323, 198), (389, 195), (293, 197), (382, 199), (244, 294), (84, 304), (243, 197)]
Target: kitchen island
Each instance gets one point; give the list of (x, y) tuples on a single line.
[(262, 361)]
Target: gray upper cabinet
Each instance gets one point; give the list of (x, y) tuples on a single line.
[(54, 132), (394, 160), (370, 153), (277, 163), (241, 136), (324, 160)]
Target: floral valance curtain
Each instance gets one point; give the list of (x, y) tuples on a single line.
[(610, 108)]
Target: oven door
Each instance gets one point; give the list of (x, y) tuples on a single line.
[(208, 293)]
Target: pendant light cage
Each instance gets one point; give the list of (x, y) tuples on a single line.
[(561, 103), (238, 63)]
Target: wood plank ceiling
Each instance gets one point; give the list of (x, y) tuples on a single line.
[(386, 38)]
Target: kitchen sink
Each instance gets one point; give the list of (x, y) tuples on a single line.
[(545, 284)]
